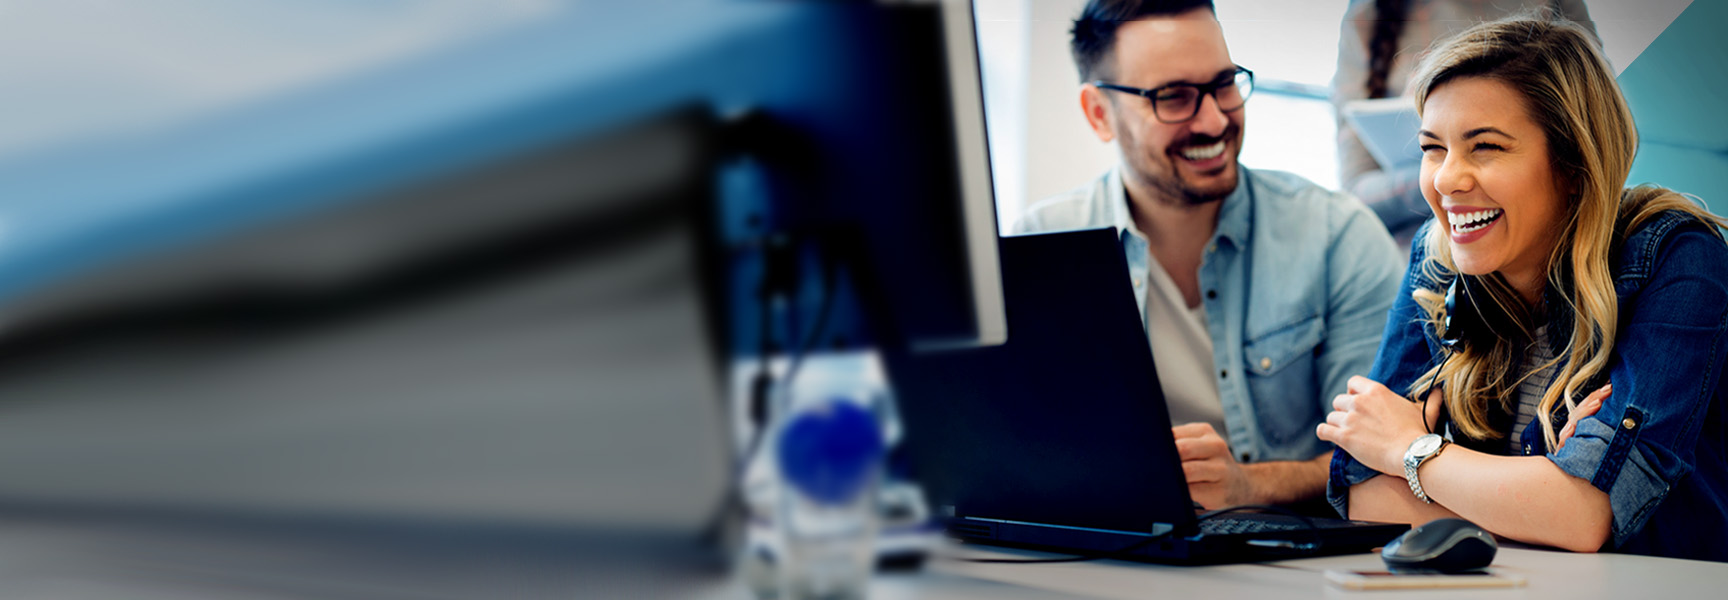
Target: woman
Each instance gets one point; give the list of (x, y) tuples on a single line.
[(1563, 284), (1378, 47)]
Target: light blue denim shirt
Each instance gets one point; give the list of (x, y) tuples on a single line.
[(1296, 283)]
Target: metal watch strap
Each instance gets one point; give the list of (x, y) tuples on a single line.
[(1413, 462), (1415, 482)]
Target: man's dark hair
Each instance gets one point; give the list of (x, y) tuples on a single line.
[(1094, 33)]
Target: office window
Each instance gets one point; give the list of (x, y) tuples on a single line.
[(1292, 47)]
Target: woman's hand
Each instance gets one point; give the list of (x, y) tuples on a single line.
[(1376, 425), (1589, 406)]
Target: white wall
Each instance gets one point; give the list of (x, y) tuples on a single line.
[(1003, 45), (1628, 26), (1051, 144)]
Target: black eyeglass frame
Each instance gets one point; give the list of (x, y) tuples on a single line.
[(1203, 89)]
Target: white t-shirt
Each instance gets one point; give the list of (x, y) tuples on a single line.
[(1181, 352)]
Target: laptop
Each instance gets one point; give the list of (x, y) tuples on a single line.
[(1060, 439)]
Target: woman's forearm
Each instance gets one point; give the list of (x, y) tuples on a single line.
[(1388, 499), (1526, 498)]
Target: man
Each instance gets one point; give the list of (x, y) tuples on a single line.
[(1261, 292)]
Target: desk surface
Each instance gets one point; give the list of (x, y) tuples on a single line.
[(1549, 574), (66, 553)]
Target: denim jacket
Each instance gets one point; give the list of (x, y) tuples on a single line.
[(1657, 446), (1296, 282)]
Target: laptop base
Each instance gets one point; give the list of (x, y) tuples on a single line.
[(1190, 548)]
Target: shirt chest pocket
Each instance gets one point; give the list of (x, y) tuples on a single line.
[(1275, 352), (1281, 381)]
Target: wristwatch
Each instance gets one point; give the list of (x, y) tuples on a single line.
[(1425, 447)]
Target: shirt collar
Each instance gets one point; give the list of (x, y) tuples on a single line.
[(1233, 217), (1116, 199)]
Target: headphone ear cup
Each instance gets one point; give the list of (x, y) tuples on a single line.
[(1452, 322)]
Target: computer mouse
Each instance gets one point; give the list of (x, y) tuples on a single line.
[(1443, 545)]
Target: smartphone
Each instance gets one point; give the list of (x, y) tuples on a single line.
[(1386, 580)]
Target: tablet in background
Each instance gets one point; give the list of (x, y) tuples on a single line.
[(1387, 127)]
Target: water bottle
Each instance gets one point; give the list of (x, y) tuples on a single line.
[(829, 453)]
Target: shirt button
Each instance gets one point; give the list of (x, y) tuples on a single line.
[(1224, 373), (1629, 423), (1137, 283), (1244, 457), (1265, 363), (1212, 247), (1526, 449), (1211, 294)]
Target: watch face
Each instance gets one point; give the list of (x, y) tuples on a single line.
[(1426, 444)]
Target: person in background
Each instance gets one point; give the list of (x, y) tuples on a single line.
[(1569, 393), (1381, 41), (1260, 291)]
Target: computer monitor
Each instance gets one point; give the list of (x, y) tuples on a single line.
[(459, 291), (978, 197), (452, 256), (874, 162)]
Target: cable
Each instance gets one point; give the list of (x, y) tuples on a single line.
[(762, 384), (817, 328), (1429, 389), (1123, 552)]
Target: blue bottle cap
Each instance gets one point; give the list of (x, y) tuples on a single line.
[(828, 450)]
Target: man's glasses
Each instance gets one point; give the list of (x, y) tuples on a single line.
[(1179, 102)]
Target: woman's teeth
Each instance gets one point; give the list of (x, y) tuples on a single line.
[(1472, 221), (1203, 152)]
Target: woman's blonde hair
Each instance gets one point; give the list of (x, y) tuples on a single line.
[(1570, 92)]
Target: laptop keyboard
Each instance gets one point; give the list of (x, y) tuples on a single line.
[(1236, 526)]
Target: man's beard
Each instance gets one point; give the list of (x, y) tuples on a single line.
[(1173, 188)]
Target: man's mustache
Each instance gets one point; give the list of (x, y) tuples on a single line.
[(1205, 140)]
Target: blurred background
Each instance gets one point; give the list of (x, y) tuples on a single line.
[(350, 299), (405, 298), (1042, 146)]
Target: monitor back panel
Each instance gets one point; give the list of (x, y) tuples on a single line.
[(1065, 423)]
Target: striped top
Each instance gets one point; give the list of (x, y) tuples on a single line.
[(1530, 390)]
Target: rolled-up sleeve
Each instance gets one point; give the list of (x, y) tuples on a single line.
[(1345, 472), (1665, 368)]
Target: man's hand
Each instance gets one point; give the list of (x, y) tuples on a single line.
[(1215, 479)]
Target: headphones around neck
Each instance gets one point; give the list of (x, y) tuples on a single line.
[(1473, 314), (1460, 317), (1456, 323)]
